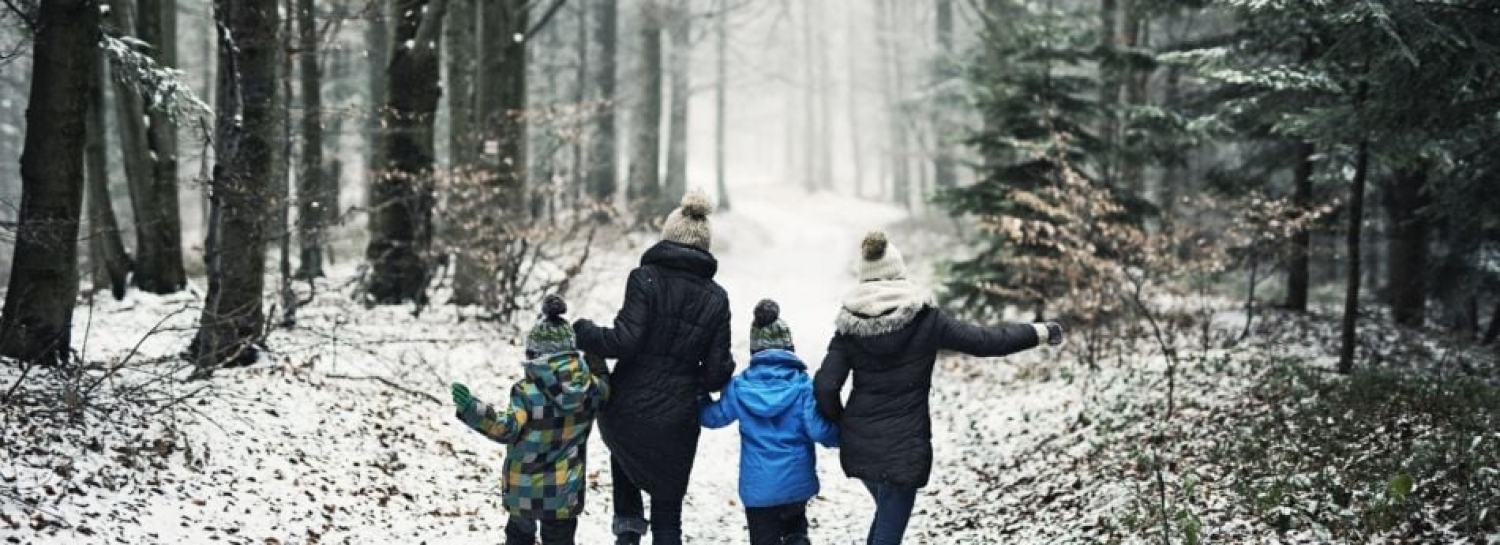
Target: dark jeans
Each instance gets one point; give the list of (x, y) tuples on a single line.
[(893, 506), (630, 511), (519, 531), (778, 525)]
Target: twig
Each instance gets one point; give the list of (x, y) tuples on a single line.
[(392, 385)]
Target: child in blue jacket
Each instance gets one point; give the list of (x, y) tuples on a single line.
[(779, 422)]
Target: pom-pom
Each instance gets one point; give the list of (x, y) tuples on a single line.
[(553, 307), (766, 312), (874, 245), (695, 204)]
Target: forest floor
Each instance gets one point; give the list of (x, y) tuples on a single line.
[(343, 434)]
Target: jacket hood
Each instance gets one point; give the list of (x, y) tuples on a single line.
[(771, 385), (682, 257), (562, 378), (878, 307)]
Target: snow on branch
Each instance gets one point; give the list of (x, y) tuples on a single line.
[(161, 86)]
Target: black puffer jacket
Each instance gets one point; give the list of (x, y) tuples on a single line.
[(671, 338), (886, 427)]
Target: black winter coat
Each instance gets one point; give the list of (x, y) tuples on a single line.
[(671, 339), (887, 427)]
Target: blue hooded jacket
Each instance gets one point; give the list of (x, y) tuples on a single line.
[(779, 422)]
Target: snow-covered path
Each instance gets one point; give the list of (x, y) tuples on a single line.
[(290, 451)]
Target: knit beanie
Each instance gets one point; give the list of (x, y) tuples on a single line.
[(551, 334), (688, 224), (879, 259), (769, 331)]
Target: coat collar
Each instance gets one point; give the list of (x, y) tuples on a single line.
[(681, 257), (878, 307)]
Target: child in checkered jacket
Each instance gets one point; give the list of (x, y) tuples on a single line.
[(545, 428)]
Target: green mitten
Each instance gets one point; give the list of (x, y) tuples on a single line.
[(462, 397)]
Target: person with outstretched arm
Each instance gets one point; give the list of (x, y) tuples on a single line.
[(887, 336), (545, 427), (671, 340)]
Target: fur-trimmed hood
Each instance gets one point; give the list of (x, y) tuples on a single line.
[(881, 306)]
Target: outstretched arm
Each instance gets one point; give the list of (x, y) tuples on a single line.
[(986, 341), (501, 426), (828, 385), (625, 338)]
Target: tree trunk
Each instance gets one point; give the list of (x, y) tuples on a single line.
[(1137, 35), (810, 145), (603, 157), (1110, 88), (681, 77), (312, 189), (1494, 330), (243, 184), (944, 168), (159, 267), (462, 45), (38, 316), (855, 134), (500, 192), (1405, 199), (891, 93), (1299, 275), (378, 38), (1351, 291), (644, 166), (110, 263), (135, 155), (721, 90), (401, 216)]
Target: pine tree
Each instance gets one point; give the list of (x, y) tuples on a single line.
[(1045, 221)]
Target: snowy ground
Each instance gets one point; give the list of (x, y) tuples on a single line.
[(306, 448)]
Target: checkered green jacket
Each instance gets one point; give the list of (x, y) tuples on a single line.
[(546, 428)]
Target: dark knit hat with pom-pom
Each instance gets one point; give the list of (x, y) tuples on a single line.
[(879, 259), (688, 224), (552, 334), (769, 331)]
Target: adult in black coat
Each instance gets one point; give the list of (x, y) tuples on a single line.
[(671, 340), (888, 335)]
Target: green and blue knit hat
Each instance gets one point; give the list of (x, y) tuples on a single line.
[(551, 334), (769, 331)]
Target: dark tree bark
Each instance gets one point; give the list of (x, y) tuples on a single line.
[(37, 321), (461, 44), (402, 199), (721, 90), (645, 186), (1111, 85), (944, 167), (603, 156), (159, 267), (500, 98), (677, 119), (378, 39), (243, 184), (313, 200), (1298, 274), (110, 263), (1491, 333), (1351, 292), (1405, 198)]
